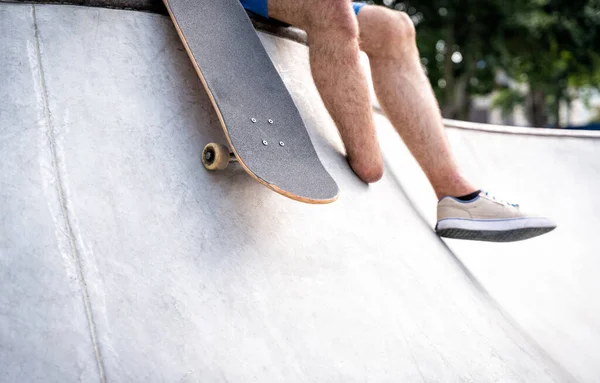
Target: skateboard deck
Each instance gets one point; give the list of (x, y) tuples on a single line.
[(261, 122)]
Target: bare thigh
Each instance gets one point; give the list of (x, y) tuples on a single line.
[(308, 14)]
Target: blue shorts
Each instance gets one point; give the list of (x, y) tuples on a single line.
[(260, 7)]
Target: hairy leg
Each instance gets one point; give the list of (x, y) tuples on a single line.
[(388, 38), (332, 31)]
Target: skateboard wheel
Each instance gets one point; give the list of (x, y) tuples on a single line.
[(215, 156)]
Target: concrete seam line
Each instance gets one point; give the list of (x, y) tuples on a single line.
[(269, 26), (62, 200), (132, 5), (512, 130), (520, 130)]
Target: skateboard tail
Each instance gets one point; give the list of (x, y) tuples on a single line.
[(291, 195)]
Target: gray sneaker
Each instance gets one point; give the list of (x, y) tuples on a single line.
[(486, 218)]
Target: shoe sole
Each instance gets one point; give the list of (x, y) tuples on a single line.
[(494, 236), (494, 230)]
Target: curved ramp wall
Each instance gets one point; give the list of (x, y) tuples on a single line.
[(122, 259)]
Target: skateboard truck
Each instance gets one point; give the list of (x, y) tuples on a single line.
[(217, 157)]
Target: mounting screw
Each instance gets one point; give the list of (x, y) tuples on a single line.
[(265, 143), (270, 121), (253, 120), (281, 143)]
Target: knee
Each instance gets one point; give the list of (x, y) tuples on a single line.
[(397, 26), (334, 19), (367, 172), (391, 33)]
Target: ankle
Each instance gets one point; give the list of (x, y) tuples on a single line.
[(468, 197), (465, 191)]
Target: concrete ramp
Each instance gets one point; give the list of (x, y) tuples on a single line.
[(123, 260)]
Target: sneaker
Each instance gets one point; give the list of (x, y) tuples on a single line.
[(485, 218)]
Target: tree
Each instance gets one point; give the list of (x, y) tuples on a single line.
[(548, 45)]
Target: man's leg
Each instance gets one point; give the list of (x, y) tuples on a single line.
[(388, 38), (403, 89), (332, 31)]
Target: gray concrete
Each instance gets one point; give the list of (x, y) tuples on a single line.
[(549, 285), (155, 6), (122, 259), (271, 26)]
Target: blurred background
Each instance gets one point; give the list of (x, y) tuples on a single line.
[(511, 62)]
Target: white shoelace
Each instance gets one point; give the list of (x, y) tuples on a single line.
[(500, 201)]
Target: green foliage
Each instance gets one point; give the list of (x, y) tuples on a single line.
[(551, 46), (596, 118), (506, 99)]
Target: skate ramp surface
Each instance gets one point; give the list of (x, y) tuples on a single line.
[(122, 259)]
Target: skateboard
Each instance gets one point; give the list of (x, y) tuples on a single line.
[(263, 127)]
